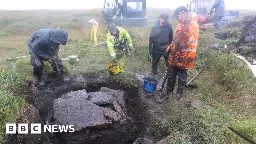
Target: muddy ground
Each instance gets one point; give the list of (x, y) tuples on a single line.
[(245, 43), (139, 108), (142, 112)]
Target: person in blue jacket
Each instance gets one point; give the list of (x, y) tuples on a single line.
[(219, 7)]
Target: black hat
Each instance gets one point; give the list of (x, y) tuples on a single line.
[(165, 16), (178, 10), (112, 28)]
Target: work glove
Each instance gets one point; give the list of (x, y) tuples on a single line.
[(52, 59)]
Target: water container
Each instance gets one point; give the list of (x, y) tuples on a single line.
[(73, 59), (150, 84)]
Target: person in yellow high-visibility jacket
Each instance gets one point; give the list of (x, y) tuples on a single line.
[(119, 44)]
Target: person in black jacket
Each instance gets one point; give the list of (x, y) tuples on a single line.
[(160, 38), (43, 45)]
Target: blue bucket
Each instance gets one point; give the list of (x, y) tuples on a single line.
[(150, 84)]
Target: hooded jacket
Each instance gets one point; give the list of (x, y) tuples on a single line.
[(160, 38), (45, 42), (219, 7)]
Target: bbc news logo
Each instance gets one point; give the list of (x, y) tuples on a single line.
[(36, 128)]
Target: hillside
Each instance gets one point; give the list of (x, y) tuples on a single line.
[(225, 94)]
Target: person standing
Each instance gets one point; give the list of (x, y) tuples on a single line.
[(219, 7), (161, 36), (182, 51)]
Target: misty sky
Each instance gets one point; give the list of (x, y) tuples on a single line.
[(86, 4)]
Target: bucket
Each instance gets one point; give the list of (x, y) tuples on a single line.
[(73, 59), (113, 68), (150, 84)]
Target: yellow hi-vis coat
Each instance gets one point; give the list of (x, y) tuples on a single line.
[(124, 41)]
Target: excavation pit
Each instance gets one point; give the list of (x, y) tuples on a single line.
[(102, 110)]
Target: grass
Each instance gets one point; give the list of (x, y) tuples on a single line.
[(246, 126), (10, 103), (226, 89)]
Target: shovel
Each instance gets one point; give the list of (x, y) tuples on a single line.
[(187, 85), (189, 82)]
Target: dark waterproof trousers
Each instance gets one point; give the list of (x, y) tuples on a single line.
[(155, 60), (173, 72), (38, 65), (217, 23)]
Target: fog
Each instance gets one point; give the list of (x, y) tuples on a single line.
[(88, 4)]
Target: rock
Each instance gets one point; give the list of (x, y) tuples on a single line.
[(196, 104), (101, 98), (119, 95), (98, 116), (215, 46), (112, 100), (78, 111), (95, 109), (82, 93)]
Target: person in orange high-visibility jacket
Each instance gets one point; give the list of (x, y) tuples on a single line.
[(182, 51)]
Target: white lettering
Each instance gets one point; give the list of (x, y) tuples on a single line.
[(54, 128), (10, 128), (35, 128), (47, 128), (63, 128), (71, 128), (23, 128)]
